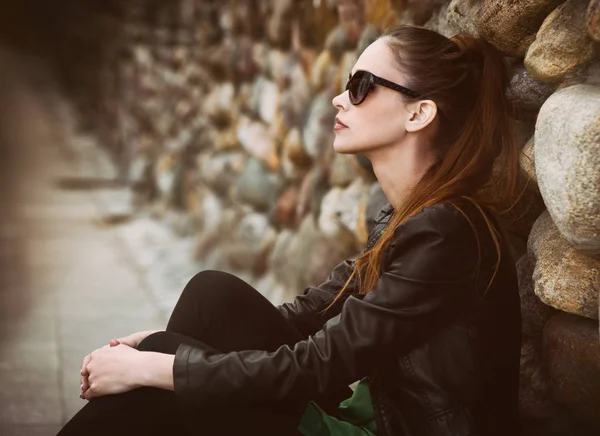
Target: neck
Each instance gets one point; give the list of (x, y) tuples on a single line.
[(399, 168)]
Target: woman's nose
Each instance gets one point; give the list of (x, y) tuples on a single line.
[(340, 101)]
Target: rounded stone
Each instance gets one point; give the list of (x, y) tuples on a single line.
[(317, 131), (329, 222), (368, 36), (278, 25), (323, 70), (285, 210), (257, 186), (535, 397), (280, 258), (260, 56), (344, 210), (315, 19), (527, 159), (563, 277), (226, 140), (268, 101), (292, 172), (211, 211), (462, 16), (562, 44), (313, 188), (593, 19), (165, 174), (423, 10), (572, 355), (535, 314), (512, 26), (567, 164), (382, 14), (255, 139), (526, 93), (219, 171), (343, 170), (294, 149), (218, 104), (251, 243), (337, 43), (275, 292), (317, 254), (276, 64), (312, 253), (296, 94), (348, 61), (211, 240), (438, 22)]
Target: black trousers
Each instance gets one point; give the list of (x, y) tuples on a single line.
[(224, 312)]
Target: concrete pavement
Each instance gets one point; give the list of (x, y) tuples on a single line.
[(68, 283)]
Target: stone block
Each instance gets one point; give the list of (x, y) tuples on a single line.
[(567, 164), (572, 353), (563, 277), (512, 26), (561, 44)]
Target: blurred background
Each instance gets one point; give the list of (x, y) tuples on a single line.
[(144, 141)]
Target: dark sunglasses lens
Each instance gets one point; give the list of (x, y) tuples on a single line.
[(358, 87)]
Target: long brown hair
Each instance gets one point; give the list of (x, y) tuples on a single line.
[(477, 155)]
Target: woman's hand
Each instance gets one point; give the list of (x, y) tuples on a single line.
[(85, 385), (132, 340), (112, 370)]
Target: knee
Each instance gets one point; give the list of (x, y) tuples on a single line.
[(213, 284), (208, 276), (214, 277)]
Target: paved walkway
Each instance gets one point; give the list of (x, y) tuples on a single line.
[(68, 284)]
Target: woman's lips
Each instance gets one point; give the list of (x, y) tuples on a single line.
[(339, 125)]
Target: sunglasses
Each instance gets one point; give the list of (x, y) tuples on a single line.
[(362, 82)]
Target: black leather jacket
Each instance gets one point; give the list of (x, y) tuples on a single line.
[(442, 354)]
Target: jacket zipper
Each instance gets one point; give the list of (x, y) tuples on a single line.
[(379, 411)]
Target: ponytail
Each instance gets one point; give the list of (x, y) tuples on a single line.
[(489, 124)]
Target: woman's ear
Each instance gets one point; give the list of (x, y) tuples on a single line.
[(420, 114)]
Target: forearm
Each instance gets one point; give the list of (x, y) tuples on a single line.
[(157, 370)]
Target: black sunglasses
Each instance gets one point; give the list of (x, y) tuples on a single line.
[(361, 83)]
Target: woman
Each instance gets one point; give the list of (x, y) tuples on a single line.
[(427, 317)]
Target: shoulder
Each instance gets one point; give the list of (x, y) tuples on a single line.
[(438, 241), (449, 219)]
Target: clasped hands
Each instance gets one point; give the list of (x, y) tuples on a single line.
[(112, 369)]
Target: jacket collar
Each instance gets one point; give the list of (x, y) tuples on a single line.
[(384, 213)]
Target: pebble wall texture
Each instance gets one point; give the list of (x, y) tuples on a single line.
[(220, 112)]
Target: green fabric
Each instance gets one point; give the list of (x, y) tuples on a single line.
[(356, 416)]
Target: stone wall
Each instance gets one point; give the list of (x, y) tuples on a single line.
[(219, 113)]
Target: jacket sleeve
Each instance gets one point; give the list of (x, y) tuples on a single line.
[(305, 311), (425, 283)]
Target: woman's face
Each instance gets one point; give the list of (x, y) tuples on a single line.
[(379, 121)]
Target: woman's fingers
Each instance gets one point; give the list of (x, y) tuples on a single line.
[(84, 375), (85, 384), (86, 392), (128, 340), (86, 360), (84, 387)]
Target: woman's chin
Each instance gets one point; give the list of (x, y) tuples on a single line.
[(342, 148)]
